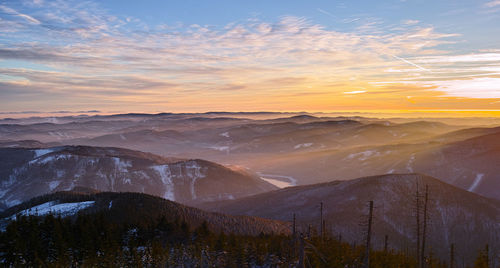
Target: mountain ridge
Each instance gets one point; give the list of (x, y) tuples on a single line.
[(455, 216), (136, 208), (116, 169)]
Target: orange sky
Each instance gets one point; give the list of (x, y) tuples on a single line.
[(289, 62)]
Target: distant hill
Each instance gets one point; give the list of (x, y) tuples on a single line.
[(22, 144), (304, 148), (26, 173), (456, 216), (472, 164)]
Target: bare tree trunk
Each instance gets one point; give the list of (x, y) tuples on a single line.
[(386, 238), (452, 256), (369, 236), (301, 252), (324, 230), (294, 237), (417, 196), (321, 221), (487, 251), (424, 231)]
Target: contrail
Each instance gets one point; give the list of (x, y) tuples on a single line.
[(326, 12), (411, 63)]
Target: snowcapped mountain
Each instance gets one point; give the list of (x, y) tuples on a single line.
[(454, 215), (26, 173), (139, 209)]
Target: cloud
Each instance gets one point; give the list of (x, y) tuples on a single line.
[(355, 92), (10, 11), (410, 22), (481, 88), (33, 82), (52, 112), (465, 58), (493, 3), (117, 60)]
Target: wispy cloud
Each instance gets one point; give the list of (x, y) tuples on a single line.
[(355, 92), (12, 12), (493, 3), (410, 22), (124, 61)]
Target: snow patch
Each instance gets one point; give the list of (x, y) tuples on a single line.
[(363, 155), (53, 185), (193, 171), (225, 134), (41, 152), (52, 207), (47, 159), (166, 178), (59, 135), (303, 145), (3, 192), (71, 186), (279, 181), (410, 163), (121, 165), (11, 203), (60, 173), (476, 182)]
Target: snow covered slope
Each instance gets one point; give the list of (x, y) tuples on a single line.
[(26, 173), (138, 209), (55, 208)]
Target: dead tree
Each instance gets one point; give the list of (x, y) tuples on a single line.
[(386, 238), (452, 255), (369, 236), (294, 236), (294, 230), (424, 231), (321, 221), (324, 230), (417, 214), (301, 252), (487, 255)]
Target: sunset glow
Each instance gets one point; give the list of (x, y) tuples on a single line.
[(112, 56)]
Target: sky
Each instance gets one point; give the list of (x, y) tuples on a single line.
[(196, 56)]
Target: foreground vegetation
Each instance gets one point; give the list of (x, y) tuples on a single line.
[(95, 241)]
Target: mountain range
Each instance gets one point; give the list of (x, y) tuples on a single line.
[(27, 173), (236, 163)]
